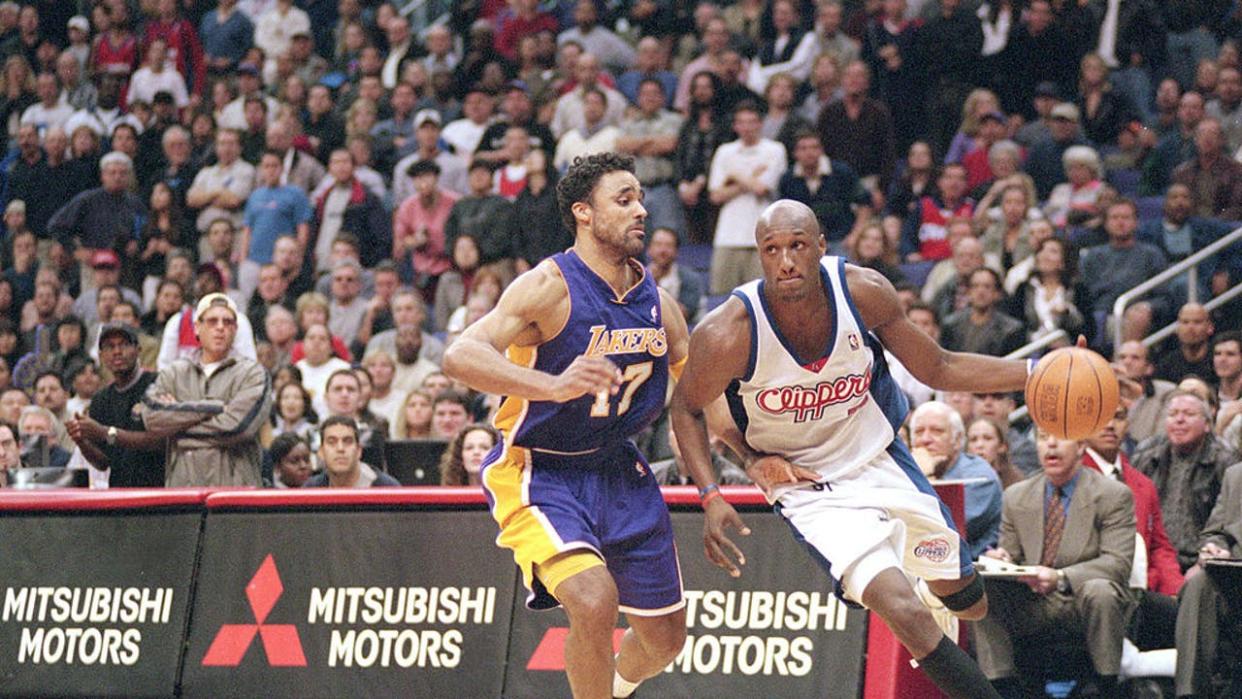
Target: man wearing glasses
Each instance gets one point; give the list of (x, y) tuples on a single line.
[(211, 405)]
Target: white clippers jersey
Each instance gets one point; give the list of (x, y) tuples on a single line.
[(831, 415)]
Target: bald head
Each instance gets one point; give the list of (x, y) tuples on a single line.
[(787, 214)]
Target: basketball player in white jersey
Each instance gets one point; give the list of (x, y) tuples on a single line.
[(799, 357)]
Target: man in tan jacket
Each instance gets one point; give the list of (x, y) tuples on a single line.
[(211, 405)]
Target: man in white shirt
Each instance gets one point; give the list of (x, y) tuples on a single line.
[(274, 32), (465, 133), (220, 191), (233, 116), (594, 135), (397, 31), (50, 111), (742, 179)]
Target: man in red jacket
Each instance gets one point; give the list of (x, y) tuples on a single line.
[(1157, 615)]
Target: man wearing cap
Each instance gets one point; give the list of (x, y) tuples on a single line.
[(1043, 163), (107, 217), (1046, 97), (233, 116), (106, 271), (453, 176), (180, 338), (112, 436), (418, 227), (211, 405)]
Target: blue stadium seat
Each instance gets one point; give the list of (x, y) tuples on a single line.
[(1125, 181), (1150, 209), (696, 255), (916, 272)]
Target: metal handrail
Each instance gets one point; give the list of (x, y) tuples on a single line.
[(1210, 306), (1035, 345), (1190, 263)]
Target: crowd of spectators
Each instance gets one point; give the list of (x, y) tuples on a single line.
[(238, 234)]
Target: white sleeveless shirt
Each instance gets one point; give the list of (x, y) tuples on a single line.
[(833, 414)]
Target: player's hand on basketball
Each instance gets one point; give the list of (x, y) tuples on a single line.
[(719, 548), (770, 471), (585, 376)]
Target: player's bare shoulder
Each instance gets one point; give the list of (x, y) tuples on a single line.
[(722, 339), (873, 295), (540, 297)]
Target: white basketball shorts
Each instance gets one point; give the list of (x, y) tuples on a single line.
[(882, 515)]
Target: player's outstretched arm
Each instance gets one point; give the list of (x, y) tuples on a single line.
[(719, 347), (532, 310), (935, 366)]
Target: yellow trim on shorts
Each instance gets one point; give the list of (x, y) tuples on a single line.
[(675, 368), (523, 528), (564, 566)]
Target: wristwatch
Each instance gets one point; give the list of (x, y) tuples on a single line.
[(1063, 585), (111, 438)]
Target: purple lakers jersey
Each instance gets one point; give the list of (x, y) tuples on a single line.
[(628, 330)]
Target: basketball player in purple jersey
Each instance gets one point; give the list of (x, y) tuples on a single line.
[(813, 411), (582, 348)]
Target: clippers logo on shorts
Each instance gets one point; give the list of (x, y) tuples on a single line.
[(281, 643), (626, 341), (809, 402), (935, 550)]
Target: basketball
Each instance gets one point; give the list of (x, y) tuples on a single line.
[(1072, 393)]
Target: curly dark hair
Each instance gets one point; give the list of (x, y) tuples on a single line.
[(580, 180)]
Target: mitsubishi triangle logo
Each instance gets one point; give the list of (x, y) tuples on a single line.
[(281, 643)]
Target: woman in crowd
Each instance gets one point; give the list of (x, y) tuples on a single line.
[(1008, 238), (294, 414), (167, 228), (291, 461), (457, 282), (384, 401), (871, 248), (169, 298), (1075, 202), (70, 343), (704, 129), (312, 309), (979, 102), (464, 456), (414, 419), (917, 178), (1047, 302), (986, 439), (17, 92), (1105, 112)]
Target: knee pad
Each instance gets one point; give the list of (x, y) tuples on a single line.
[(964, 598)]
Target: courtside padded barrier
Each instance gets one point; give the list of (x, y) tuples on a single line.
[(95, 590), (395, 592)]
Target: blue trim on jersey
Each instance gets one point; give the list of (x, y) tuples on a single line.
[(849, 300), (737, 406), (887, 395), (901, 454), (754, 336), (819, 558), (832, 321)]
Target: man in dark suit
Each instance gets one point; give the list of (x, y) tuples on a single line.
[(1076, 528), (1209, 610)]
